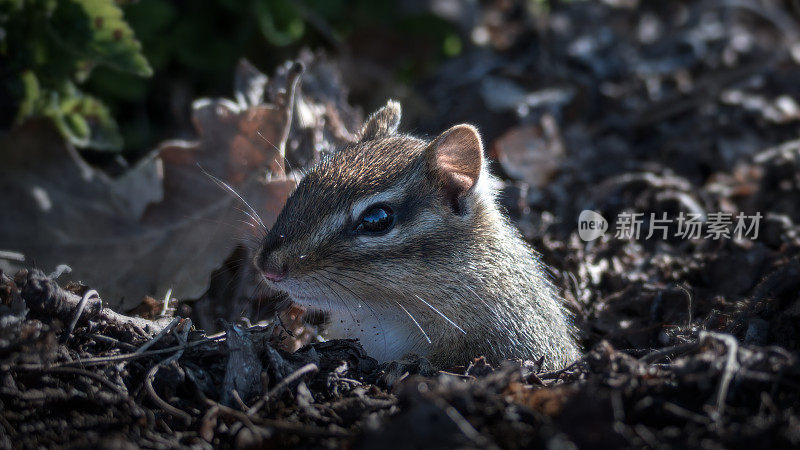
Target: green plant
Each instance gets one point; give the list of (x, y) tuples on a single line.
[(50, 47)]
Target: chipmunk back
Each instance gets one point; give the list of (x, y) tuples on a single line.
[(401, 241)]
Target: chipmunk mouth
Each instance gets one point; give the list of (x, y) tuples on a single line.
[(312, 291), (303, 293)]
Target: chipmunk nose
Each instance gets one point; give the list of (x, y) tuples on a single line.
[(271, 269), (273, 275), (270, 266), (269, 262)]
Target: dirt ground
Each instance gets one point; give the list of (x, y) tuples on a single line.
[(684, 108)]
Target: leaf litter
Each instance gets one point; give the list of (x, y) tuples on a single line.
[(690, 343)]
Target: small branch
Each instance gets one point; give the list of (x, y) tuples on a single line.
[(127, 357), (160, 334), (187, 418), (45, 296), (238, 399), (454, 375), (283, 384), (464, 426), (728, 371), (557, 373), (76, 371), (151, 374), (115, 342), (684, 413), (671, 351), (77, 315), (296, 429), (100, 360), (165, 309)]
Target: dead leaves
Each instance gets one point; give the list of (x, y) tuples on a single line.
[(165, 224), (531, 153)]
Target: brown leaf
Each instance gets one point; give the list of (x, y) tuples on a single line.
[(531, 153), (67, 212), (549, 402)]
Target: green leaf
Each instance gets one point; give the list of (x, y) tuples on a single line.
[(280, 23), (82, 119), (31, 95), (95, 31), (86, 121)]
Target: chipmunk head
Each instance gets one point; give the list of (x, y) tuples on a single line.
[(378, 217)]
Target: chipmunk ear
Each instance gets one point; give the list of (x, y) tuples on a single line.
[(456, 160), (382, 123)]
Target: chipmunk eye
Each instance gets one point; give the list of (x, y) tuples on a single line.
[(376, 219)]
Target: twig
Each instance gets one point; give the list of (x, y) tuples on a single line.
[(464, 426), (297, 429), (457, 375), (165, 309), (160, 334), (647, 436), (301, 430), (685, 290), (349, 381), (112, 341), (45, 296), (557, 373), (236, 414), (9, 429), (187, 418), (12, 256), (206, 427), (617, 407), (238, 399), (151, 374), (671, 351), (287, 101), (99, 360), (77, 315), (61, 269), (684, 413), (283, 384), (100, 379), (731, 366)]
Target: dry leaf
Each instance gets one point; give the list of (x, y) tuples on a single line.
[(531, 153), (66, 212)]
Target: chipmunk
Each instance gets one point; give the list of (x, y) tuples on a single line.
[(402, 242)]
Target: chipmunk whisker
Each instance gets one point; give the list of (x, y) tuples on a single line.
[(339, 296), (261, 231), (361, 299), (398, 303), (415, 321), (228, 188), (418, 297), (441, 314), (268, 141), (476, 295), (319, 283)]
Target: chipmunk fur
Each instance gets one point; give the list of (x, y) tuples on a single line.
[(401, 241)]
